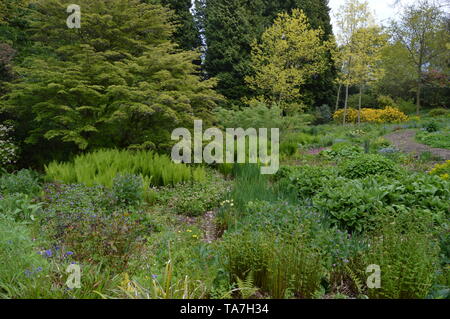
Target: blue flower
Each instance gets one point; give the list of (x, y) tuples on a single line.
[(48, 253), (154, 276), (69, 253)]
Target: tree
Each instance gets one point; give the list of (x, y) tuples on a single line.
[(422, 29), (367, 44), (290, 52), (118, 81), (187, 34), (231, 26), (352, 16), (398, 79)]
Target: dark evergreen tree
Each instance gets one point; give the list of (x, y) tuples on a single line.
[(229, 28), (187, 33)]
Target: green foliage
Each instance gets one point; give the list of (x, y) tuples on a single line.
[(278, 60), (128, 190), (19, 207), (259, 115), (406, 106), (187, 34), (88, 224), (230, 27), (408, 262), (23, 271), (342, 150), (101, 167), (360, 204), (280, 267), (367, 165), (194, 199), (126, 87), (438, 112), (431, 127), (309, 180), (367, 100), (434, 139), (24, 182), (8, 150)]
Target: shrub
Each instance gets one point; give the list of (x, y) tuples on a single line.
[(24, 182), (323, 115), (86, 221), (406, 106), (431, 127), (438, 112), (386, 115), (358, 205), (128, 190), (194, 199), (8, 150), (19, 207), (366, 165), (436, 139), (23, 270), (342, 150), (101, 167), (442, 170), (309, 180)]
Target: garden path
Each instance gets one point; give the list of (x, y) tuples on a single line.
[(405, 141)]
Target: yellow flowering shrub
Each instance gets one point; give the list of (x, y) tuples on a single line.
[(442, 170), (386, 115)]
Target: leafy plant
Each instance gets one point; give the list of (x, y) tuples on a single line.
[(20, 207), (366, 165), (24, 182), (101, 167), (128, 190)]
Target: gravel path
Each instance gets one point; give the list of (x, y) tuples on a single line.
[(405, 141)]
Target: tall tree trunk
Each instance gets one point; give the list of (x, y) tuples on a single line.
[(338, 97), (359, 106), (346, 103), (419, 91)]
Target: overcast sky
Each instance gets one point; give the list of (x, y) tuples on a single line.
[(383, 9)]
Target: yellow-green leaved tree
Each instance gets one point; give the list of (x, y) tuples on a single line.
[(289, 53), (367, 46)]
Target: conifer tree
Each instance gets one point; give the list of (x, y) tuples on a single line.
[(118, 81)]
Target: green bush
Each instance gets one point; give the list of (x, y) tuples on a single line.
[(22, 270), (435, 139), (367, 165), (86, 222), (24, 182), (194, 199), (406, 106), (431, 127), (359, 205), (307, 180), (101, 167), (438, 112), (128, 190), (20, 207), (342, 150)]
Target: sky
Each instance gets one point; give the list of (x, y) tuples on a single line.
[(383, 9)]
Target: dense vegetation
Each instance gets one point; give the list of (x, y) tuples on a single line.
[(86, 178)]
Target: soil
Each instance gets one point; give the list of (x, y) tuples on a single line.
[(405, 142)]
